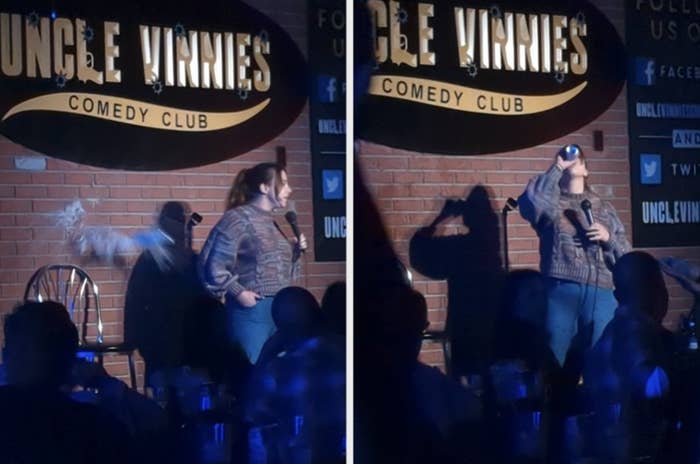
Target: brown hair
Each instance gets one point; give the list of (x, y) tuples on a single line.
[(245, 185)]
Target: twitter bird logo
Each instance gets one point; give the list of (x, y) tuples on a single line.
[(332, 184), (650, 166)]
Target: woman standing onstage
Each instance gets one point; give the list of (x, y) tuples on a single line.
[(578, 248), (247, 258)]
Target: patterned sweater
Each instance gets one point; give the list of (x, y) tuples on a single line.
[(246, 251), (565, 252)]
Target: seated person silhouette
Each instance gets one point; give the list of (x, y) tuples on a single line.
[(300, 376), (408, 411), (39, 422), (167, 314), (630, 370), (523, 366), (333, 308)]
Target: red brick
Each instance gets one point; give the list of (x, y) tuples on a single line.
[(15, 234), (104, 178), (94, 192), (15, 178), (47, 178), (82, 179), (48, 206), (15, 206), (124, 192), (16, 262), (63, 192), (159, 193), (8, 248), (47, 233)]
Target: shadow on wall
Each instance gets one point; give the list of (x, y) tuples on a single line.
[(471, 264)]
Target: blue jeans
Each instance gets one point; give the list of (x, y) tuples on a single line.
[(572, 303), (250, 327)]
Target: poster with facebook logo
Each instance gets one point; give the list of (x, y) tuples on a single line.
[(332, 184), (650, 169), (645, 71), (663, 113), (327, 89), (326, 23)]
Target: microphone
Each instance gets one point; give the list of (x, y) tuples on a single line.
[(291, 218), (586, 207)]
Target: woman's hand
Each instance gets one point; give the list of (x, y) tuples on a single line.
[(598, 232), (302, 243), (248, 298)]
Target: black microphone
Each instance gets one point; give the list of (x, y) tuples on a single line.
[(291, 218), (586, 207)]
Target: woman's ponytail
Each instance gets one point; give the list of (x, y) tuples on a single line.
[(237, 196)]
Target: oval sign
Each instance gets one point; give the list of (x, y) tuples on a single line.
[(146, 85), (471, 78)]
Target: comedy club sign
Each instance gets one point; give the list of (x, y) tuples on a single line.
[(471, 77), (145, 85)]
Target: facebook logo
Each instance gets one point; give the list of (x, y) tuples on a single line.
[(327, 89), (332, 184), (645, 71), (650, 166)]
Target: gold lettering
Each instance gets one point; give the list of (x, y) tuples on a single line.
[(39, 49), (261, 78), (211, 60), (86, 72), (484, 30), (546, 43), (63, 35), (465, 35), (187, 62), (11, 44), (425, 32), (528, 49), (169, 56), (112, 74), (242, 60), (579, 59), (399, 41), (502, 38), (379, 18), (559, 43), (150, 51)]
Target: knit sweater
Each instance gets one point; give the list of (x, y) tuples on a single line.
[(565, 252), (246, 251)]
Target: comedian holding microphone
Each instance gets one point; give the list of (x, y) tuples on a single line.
[(581, 237), (247, 258)]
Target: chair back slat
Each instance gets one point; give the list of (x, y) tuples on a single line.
[(73, 287)]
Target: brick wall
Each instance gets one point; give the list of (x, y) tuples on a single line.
[(128, 202), (411, 189)]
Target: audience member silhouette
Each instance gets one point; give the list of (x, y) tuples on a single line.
[(39, 422), (686, 445), (630, 369), (523, 366), (168, 315), (333, 308), (471, 263), (299, 381), (405, 410)]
